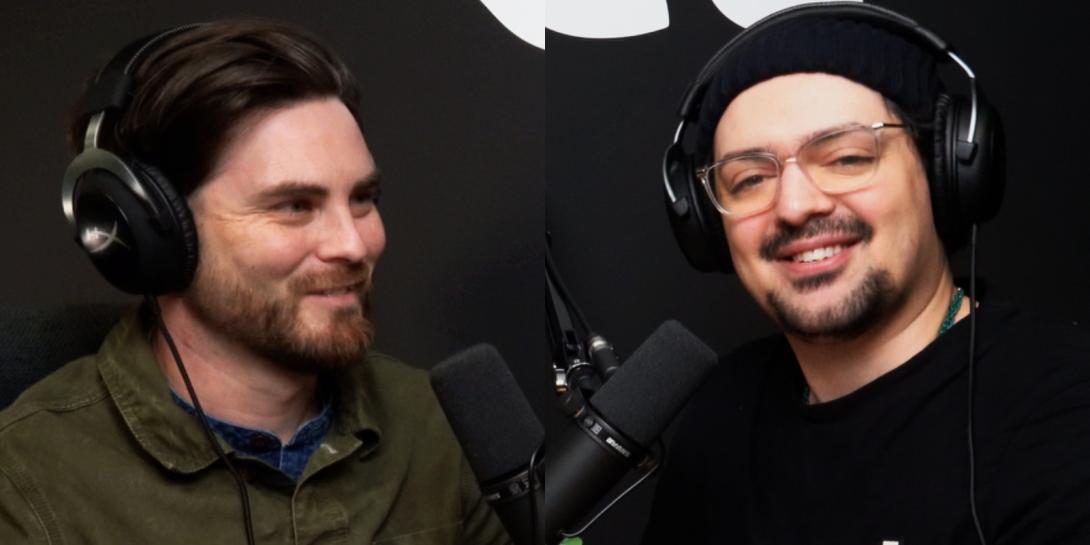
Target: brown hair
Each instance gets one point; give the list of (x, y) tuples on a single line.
[(196, 89)]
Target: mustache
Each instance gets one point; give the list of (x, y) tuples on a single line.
[(359, 276), (817, 226)]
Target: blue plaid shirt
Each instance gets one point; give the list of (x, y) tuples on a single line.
[(290, 459)]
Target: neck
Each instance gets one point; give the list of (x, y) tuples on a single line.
[(835, 369), (233, 383)]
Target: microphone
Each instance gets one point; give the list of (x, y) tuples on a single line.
[(623, 419), (499, 434)]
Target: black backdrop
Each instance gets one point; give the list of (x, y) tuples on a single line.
[(611, 113)]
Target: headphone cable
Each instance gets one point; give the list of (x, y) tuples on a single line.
[(247, 517), (972, 377)]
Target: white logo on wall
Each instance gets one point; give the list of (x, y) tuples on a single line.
[(607, 18), (524, 18), (604, 19)]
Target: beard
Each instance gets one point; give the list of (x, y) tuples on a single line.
[(845, 320), (269, 323)]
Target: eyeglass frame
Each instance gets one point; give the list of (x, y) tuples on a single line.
[(702, 172)]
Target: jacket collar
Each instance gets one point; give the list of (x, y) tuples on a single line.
[(174, 438)]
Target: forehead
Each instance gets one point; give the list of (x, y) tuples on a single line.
[(781, 111), (315, 141)]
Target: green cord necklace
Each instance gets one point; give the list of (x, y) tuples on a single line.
[(947, 323), (955, 306)]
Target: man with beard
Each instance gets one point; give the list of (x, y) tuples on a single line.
[(256, 126), (822, 141)]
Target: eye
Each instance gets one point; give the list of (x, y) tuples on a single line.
[(366, 198), (297, 206), (747, 183), (852, 161)]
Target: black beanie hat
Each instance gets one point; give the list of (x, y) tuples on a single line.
[(898, 68)]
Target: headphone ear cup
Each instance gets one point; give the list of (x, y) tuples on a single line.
[(968, 178), (981, 168), (110, 222), (698, 230), (172, 260), (945, 204)]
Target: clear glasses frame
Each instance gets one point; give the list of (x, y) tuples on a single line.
[(851, 179)]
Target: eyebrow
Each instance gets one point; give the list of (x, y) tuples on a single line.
[(801, 141), (298, 189)]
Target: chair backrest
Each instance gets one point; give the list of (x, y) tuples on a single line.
[(35, 341)]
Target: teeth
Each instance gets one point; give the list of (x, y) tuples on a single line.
[(817, 254)]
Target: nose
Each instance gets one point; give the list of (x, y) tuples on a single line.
[(349, 238), (798, 197)]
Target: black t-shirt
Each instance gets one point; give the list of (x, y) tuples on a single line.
[(889, 463)]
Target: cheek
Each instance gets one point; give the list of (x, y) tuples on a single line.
[(253, 250), (901, 217), (744, 241)]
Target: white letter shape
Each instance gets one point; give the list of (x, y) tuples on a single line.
[(607, 18), (524, 18)]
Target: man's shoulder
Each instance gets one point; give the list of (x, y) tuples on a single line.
[(1022, 344), (39, 431), (734, 385), (388, 368), (391, 380), (399, 393), (741, 368), (1027, 355), (1018, 324), (75, 386)]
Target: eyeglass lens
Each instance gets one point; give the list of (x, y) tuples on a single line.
[(837, 162)]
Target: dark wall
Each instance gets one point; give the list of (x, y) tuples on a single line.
[(454, 112), (611, 113)]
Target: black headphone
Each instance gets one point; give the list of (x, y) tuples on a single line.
[(129, 219), (968, 159)]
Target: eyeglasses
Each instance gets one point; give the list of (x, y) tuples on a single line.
[(840, 161)]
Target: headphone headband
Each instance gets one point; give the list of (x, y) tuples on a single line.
[(110, 89)]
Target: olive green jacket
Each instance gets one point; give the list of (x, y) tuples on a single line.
[(99, 453)]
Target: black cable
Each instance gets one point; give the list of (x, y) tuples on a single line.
[(972, 350), (247, 518), (550, 267), (534, 528)]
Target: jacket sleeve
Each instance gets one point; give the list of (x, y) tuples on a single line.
[(19, 522), (480, 524)]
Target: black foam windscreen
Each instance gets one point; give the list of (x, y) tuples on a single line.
[(492, 419), (654, 383)]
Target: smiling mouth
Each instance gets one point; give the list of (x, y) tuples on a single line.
[(817, 254), (819, 239), (350, 289), (338, 291)]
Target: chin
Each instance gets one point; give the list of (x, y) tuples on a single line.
[(332, 338), (833, 309)]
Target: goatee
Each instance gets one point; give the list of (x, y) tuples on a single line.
[(847, 319)]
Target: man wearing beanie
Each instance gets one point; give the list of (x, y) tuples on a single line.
[(816, 143)]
